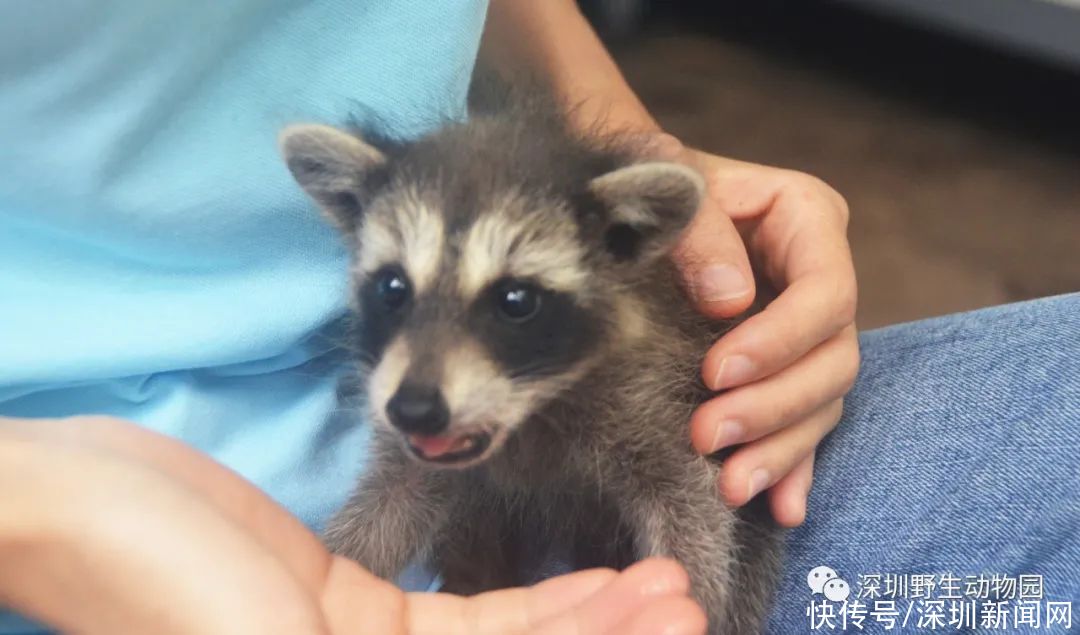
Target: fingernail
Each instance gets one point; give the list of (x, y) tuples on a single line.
[(717, 283), (727, 433), (759, 480), (732, 371), (800, 511)]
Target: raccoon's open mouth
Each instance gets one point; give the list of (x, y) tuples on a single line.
[(450, 449)]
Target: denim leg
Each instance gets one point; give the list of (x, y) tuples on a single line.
[(957, 453)]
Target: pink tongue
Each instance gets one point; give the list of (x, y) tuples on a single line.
[(435, 446)]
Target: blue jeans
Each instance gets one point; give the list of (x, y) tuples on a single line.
[(957, 456)]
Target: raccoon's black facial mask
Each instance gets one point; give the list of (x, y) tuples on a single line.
[(386, 298), (530, 330)]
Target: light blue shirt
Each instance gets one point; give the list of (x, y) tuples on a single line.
[(156, 260)]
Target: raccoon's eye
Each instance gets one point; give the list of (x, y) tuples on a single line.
[(517, 301), (392, 288)]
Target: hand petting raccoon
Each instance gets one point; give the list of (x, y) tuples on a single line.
[(785, 370)]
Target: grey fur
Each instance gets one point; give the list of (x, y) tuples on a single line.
[(599, 468)]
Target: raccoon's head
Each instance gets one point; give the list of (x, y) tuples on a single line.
[(491, 270)]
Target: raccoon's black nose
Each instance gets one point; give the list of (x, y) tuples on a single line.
[(418, 409)]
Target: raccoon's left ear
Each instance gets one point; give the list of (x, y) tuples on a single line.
[(332, 166), (649, 205)]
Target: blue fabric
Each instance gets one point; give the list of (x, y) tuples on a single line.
[(959, 454), (157, 262)]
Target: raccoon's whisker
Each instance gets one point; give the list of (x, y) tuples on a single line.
[(534, 371)]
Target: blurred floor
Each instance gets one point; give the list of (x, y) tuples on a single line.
[(960, 165)]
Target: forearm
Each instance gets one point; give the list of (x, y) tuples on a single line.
[(38, 571), (92, 541), (551, 39)]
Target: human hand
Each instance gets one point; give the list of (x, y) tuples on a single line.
[(110, 528), (786, 369)]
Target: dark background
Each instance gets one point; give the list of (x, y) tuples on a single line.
[(960, 158)]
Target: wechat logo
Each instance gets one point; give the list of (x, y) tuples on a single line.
[(825, 581)]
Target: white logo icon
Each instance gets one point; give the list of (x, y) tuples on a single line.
[(837, 590), (817, 578), (826, 581)]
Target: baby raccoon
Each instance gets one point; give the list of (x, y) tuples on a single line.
[(528, 359)]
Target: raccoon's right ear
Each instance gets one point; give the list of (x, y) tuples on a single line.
[(648, 207), (331, 165)]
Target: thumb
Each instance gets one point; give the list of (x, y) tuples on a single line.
[(711, 255), (714, 264)]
